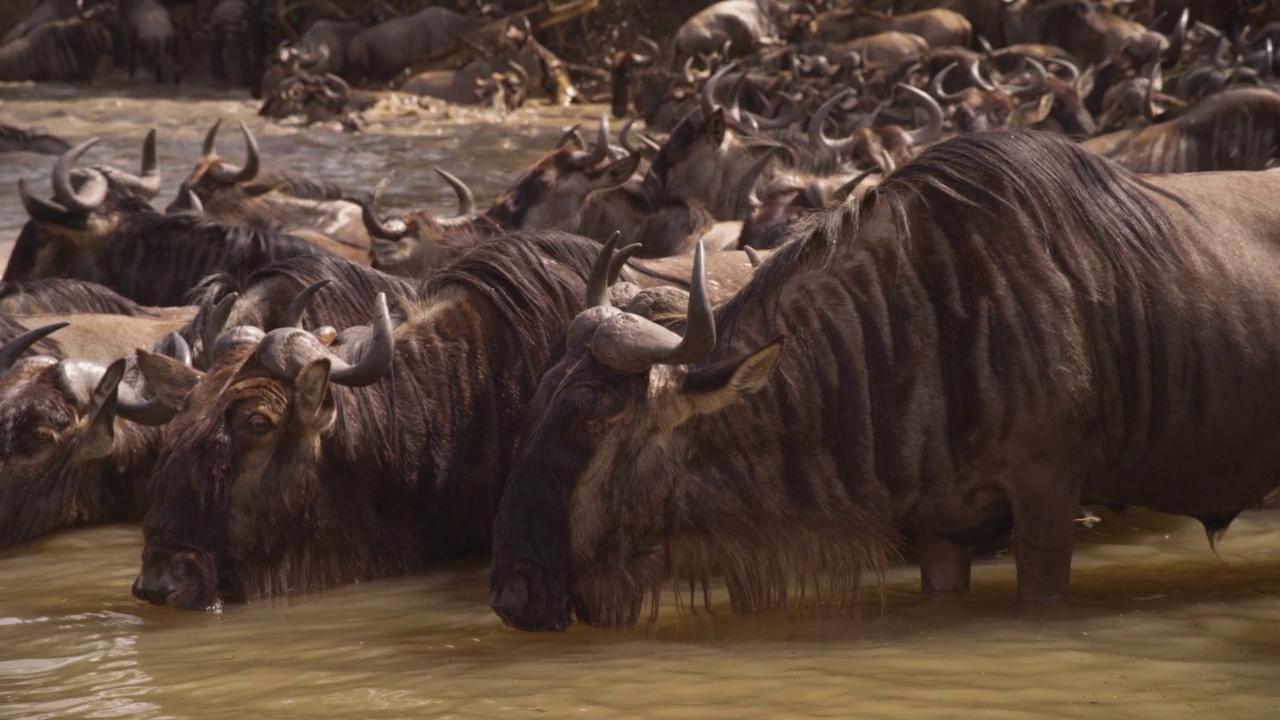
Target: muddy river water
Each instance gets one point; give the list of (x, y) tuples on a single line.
[(1158, 626)]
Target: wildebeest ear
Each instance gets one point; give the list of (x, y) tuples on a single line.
[(715, 127), (715, 386), (169, 379), (99, 432), (311, 390)]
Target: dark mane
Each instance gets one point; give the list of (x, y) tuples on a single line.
[(513, 205), (119, 201), (61, 295), (158, 259), (312, 190), (512, 272), (1039, 182), (347, 300)]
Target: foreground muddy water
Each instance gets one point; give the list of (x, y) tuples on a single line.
[(1158, 626)]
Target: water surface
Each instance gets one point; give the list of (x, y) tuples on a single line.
[(1159, 626)]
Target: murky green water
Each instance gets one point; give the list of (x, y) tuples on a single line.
[(1159, 627)]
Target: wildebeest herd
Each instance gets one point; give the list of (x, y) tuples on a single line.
[(744, 347)]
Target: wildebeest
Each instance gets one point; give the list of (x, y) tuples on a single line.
[(59, 50), (382, 51), (739, 27), (1081, 27), (1232, 130), (251, 196), (549, 195), (69, 456), (1004, 327), (97, 229), (45, 11), (16, 139), (939, 27), (149, 38), (343, 296), (291, 469)]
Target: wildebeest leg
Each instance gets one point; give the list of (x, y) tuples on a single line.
[(1043, 533), (944, 565)]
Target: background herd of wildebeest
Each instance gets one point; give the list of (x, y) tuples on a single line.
[(852, 282)]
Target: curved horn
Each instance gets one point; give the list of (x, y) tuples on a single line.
[(598, 280), (207, 148), (1072, 70), (687, 72), (94, 189), (235, 175), (935, 87), (1179, 35), (375, 361), (707, 96), (975, 74), (466, 200), (624, 136), (13, 349), (161, 408), (391, 230), (188, 200), (619, 261), (1036, 84), (633, 348), (181, 350), (293, 315), (213, 326), (700, 327), (779, 121), (572, 134), (337, 85), (933, 128), (843, 192), (651, 45), (146, 185), (818, 135), (753, 257), (1148, 98), (601, 150), (747, 184)]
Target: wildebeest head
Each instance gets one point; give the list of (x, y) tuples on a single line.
[(628, 84), (887, 145), (240, 471), (62, 446), (1083, 28), (550, 194), (64, 232), (412, 243), (213, 175), (604, 436)]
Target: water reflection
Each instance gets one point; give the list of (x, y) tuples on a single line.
[(1158, 626)]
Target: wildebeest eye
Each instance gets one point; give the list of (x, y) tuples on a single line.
[(260, 423)]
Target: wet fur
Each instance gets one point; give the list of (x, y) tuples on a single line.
[(413, 467), (969, 343)]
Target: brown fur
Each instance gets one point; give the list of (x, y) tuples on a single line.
[(1233, 130), (970, 345), (400, 474)]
